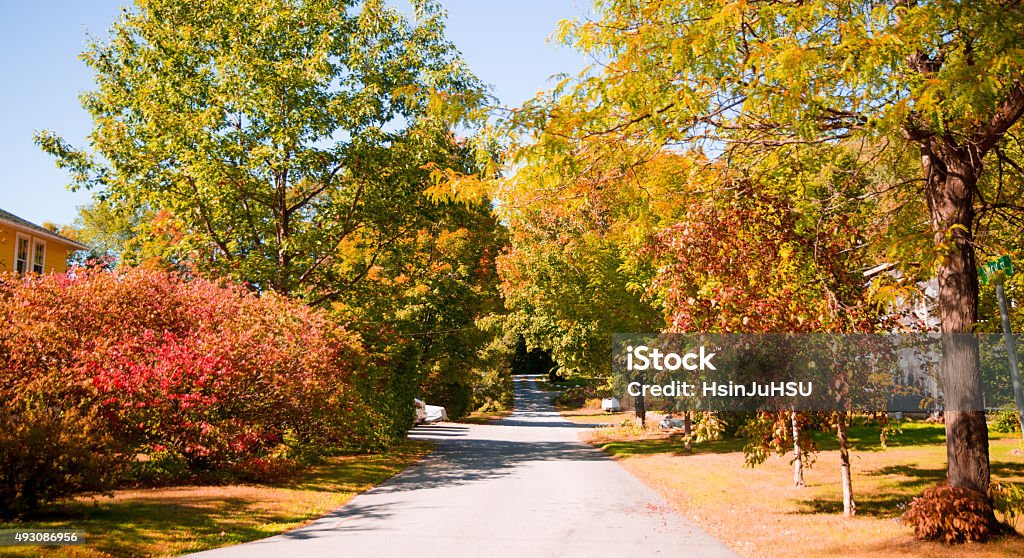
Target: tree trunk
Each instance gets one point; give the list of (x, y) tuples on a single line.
[(849, 506), (687, 431), (798, 462), (639, 407), (951, 176)]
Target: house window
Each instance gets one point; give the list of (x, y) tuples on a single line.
[(29, 255), (21, 254), (38, 256)]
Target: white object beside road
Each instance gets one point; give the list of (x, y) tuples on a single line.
[(610, 405), (435, 414)]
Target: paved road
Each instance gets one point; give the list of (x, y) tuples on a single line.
[(523, 487)]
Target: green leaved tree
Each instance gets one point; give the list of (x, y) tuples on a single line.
[(281, 143), (288, 145)]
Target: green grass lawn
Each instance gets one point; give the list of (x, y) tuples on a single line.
[(174, 521)]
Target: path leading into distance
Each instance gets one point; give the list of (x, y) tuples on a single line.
[(522, 487)]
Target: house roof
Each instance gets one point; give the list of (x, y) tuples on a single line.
[(18, 222)]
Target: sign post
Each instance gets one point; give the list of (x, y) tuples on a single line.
[(1004, 265)]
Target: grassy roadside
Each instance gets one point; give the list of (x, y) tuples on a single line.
[(596, 416), (758, 512), (174, 521), (484, 418)]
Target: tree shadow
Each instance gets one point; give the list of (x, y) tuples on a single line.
[(464, 455), (132, 527), (919, 477), (882, 503), (193, 518), (479, 460), (1006, 469), (910, 480)]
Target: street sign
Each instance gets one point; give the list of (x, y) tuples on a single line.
[(988, 268)]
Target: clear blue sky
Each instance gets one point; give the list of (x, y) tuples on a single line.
[(503, 41)]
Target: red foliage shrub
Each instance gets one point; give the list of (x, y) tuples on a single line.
[(951, 514), (265, 469), (191, 367)]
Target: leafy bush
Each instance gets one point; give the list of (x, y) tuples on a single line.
[(576, 397), (197, 375), (572, 398), (159, 467), (493, 391), (1006, 420), (47, 454), (732, 424), (592, 404), (1008, 500), (951, 514), (266, 469), (708, 426)]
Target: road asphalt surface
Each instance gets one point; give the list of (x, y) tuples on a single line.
[(522, 487)]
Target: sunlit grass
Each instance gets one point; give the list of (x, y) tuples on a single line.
[(758, 511), (597, 416), (478, 417), (174, 521)]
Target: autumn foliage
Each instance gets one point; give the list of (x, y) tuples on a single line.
[(187, 376), (752, 262), (951, 514)]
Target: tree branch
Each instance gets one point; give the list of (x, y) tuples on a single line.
[(1008, 113)]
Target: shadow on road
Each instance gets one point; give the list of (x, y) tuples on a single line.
[(477, 454), (570, 500), (474, 454)]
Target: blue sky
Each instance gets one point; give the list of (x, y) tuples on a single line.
[(503, 41)]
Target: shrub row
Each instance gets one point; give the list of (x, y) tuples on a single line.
[(163, 378)]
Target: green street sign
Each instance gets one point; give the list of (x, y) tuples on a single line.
[(988, 268)]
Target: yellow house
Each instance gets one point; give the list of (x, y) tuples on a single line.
[(27, 247)]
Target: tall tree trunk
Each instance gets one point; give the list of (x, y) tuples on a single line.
[(951, 175), (798, 462), (849, 506)]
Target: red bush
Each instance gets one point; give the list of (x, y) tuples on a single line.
[(951, 514), (265, 469), (207, 371)]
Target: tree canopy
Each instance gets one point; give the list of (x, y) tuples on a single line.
[(926, 94), (274, 139), (289, 146)]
